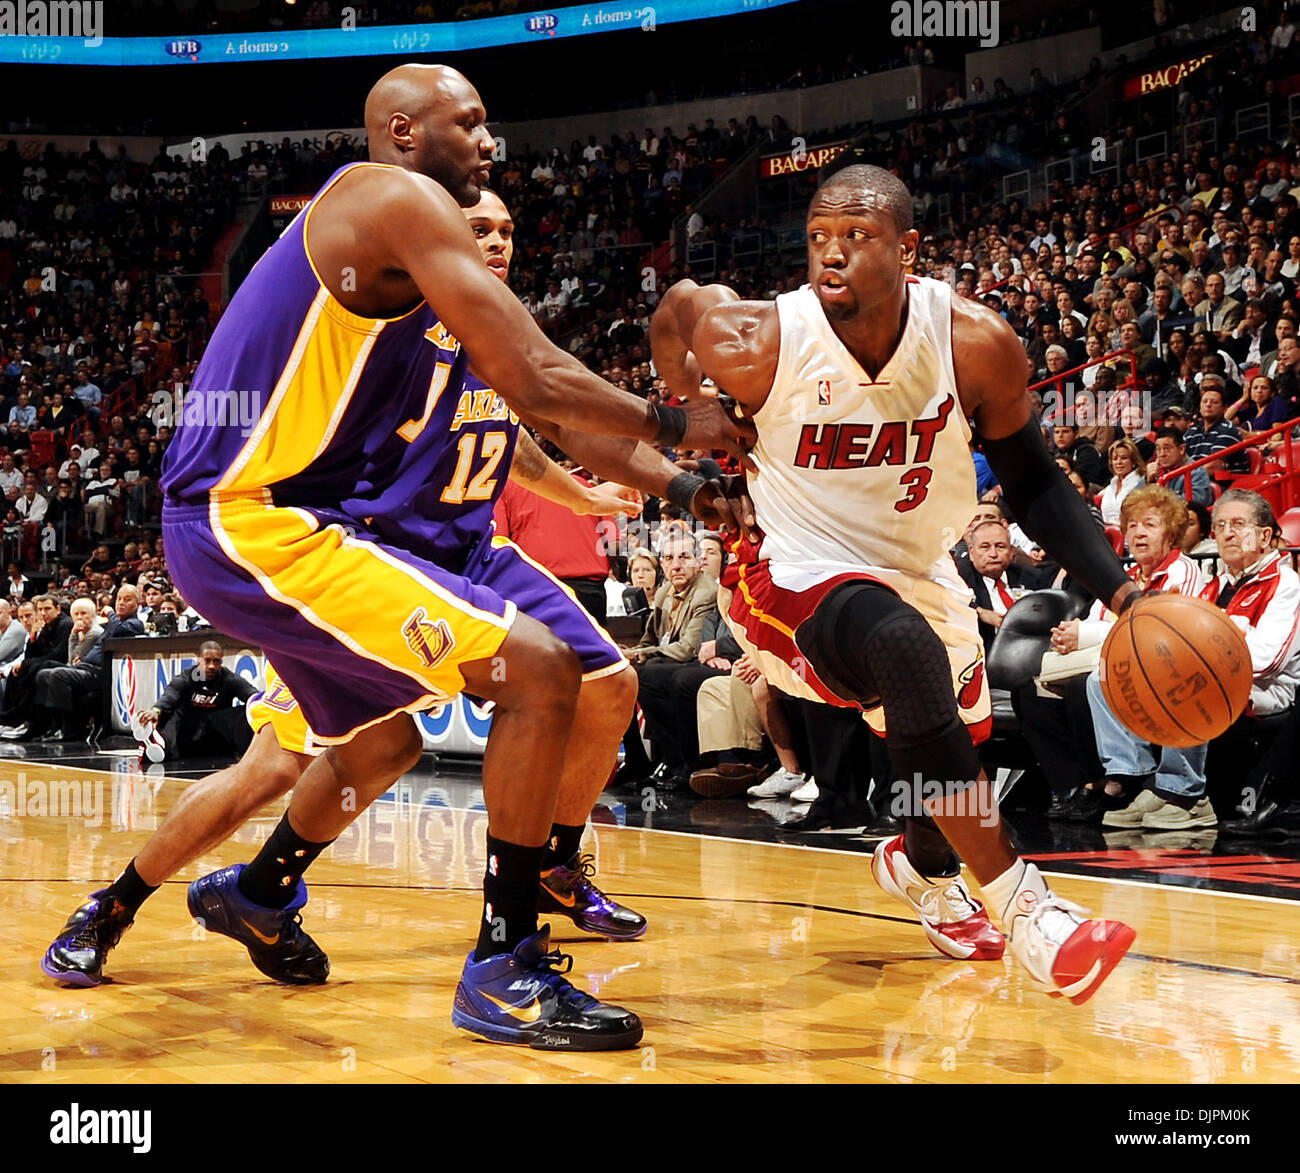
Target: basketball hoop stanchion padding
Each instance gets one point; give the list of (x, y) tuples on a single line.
[(1175, 670)]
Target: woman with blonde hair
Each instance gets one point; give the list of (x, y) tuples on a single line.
[(1130, 471)]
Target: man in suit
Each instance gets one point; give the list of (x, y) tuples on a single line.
[(671, 642), (69, 691), (1222, 314), (85, 634), (1254, 338), (47, 647), (996, 582)]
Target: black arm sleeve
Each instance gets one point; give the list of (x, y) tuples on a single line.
[(1051, 512)]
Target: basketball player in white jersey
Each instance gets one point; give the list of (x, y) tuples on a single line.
[(861, 384)]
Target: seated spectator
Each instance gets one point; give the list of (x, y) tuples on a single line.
[(200, 714), (98, 497), (19, 586), (996, 583), (1154, 520), (1128, 471), (1171, 455), (1261, 593), (1212, 433), (65, 693), (1259, 407), (13, 639), (46, 647), (645, 579), (1083, 454), (671, 640)]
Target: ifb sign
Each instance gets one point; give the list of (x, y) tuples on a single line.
[(460, 726)]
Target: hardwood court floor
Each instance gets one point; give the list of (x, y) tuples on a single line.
[(763, 963)]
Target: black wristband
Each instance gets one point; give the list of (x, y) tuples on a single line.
[(672, 424), (683, 487)]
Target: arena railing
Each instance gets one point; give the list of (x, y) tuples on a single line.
[(1062, 378), (1278, 485)]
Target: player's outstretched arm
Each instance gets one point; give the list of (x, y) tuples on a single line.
[(647, 469), (538, 473), (990, 369), (415, 228)]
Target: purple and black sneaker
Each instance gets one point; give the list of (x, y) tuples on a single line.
[(273, 937), (524, 998), (567, 890), (76, 957)]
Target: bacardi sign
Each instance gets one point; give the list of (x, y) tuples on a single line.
[(797, 161), (1163, 78)]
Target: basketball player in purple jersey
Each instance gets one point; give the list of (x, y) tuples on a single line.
[(211, 810), (360, 309)]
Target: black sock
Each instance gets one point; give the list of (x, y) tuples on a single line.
[(272, 878), (129, 890), (563, 844), (510, 887), (926, 848)]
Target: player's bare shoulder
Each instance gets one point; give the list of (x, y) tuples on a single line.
[(738, 344), (988, 358)]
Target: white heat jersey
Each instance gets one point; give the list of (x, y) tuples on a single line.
[(862, 473)]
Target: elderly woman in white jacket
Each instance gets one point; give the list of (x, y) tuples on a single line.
[(1153, 520), (1129, 471)]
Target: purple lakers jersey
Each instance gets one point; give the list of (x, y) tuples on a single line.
[(295, 392), (433, 493)]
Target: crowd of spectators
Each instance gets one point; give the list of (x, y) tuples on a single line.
[(1186, 265)]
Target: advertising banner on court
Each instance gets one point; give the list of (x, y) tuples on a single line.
[(139, 677)]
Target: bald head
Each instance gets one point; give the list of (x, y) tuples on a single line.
[(864, 188), (428, 118)]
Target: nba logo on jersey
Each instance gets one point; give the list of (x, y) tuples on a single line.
[(823, 393)]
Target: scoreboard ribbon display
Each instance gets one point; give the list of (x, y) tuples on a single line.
[(83, 43)]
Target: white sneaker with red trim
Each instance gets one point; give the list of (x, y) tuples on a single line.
[(954, 921), (1067, 954)]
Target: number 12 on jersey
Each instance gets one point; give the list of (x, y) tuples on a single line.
[(481, 486)]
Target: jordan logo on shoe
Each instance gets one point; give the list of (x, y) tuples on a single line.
[(530, 1013), (264, 939)]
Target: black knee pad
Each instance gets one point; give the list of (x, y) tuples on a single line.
[(869, 646)]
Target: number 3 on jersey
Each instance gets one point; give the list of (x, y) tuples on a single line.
[(917, 482)]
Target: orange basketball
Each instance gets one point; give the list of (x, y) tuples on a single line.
[(1175, 670)]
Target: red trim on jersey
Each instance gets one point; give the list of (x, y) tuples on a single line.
[(771, 616)]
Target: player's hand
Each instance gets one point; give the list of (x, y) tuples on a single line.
[(725, 504), (147, 717), (609, 499), (709, 427)]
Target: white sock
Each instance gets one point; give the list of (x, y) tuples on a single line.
[(1003, 895)]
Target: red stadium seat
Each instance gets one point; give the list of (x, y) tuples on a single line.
[(1290, 523), (1256, 458), (1116, 536)]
